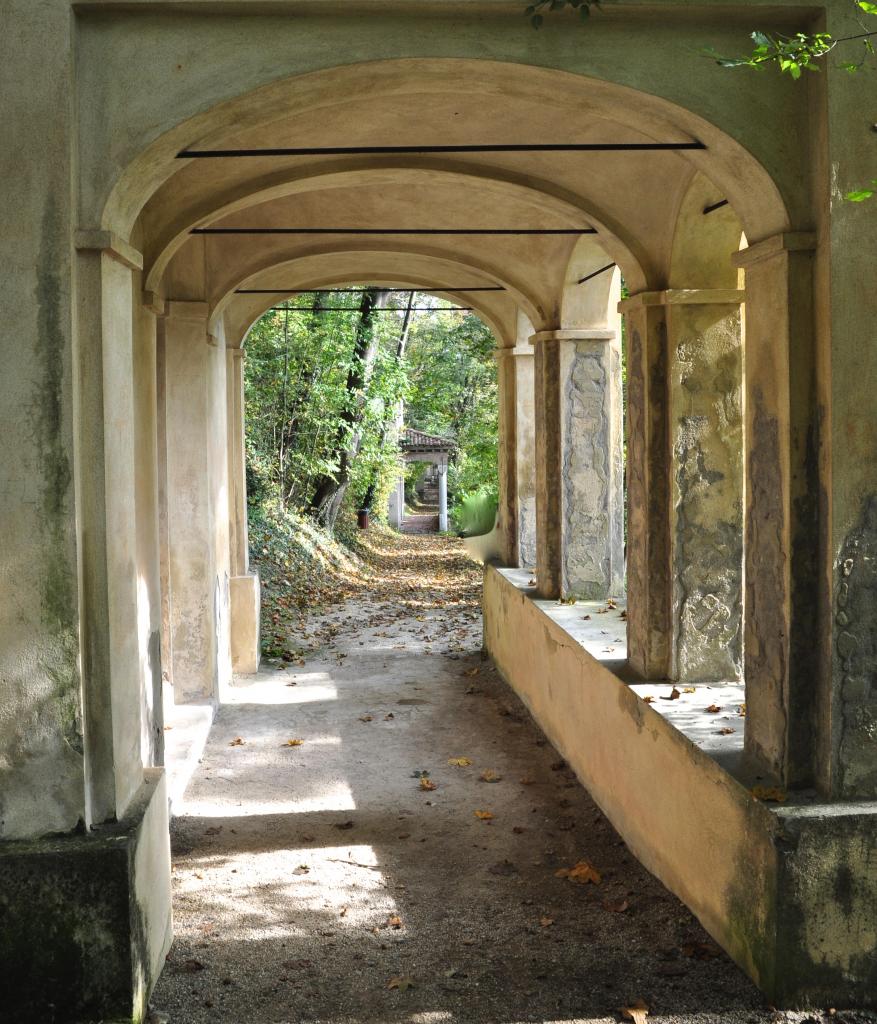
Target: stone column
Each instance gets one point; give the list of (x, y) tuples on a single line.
[(517, 455), (443, 496), (685, 498), (197, 504), (579, 464), (788, 715), (244, 587)]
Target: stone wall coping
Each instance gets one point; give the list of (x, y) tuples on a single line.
[(789, 241), (110, 244), (583, 334), (684, 297)]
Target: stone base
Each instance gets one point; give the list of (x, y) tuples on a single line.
[(246, 610), (790, 891), (86, 919)]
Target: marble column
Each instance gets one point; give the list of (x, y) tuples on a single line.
[(579, 464), (443, 496)]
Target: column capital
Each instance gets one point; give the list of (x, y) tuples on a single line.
[(237, 353), (684, 297), (517, 351), (583, 334), (767, 248), (108, 244), (154, 303)]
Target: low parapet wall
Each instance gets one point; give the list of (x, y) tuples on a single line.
[(789, 891)]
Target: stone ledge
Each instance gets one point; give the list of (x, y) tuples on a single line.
[(790, 891), (86, 919)]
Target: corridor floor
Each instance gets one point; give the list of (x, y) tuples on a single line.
[(338, 859)]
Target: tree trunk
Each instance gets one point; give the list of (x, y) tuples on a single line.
[(400, 352), (331, 487)]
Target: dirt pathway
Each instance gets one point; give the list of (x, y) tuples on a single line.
[(319, 876)]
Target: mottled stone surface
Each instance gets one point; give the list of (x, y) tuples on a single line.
[(856, 653), (705, 390)]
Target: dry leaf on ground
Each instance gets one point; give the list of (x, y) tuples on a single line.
[(402, 984), (459, 762), (427, 785), (293, 743), (638, 1011), (484, 815), (583, 872), (674, 695), (713, 709), (237, 742), (489, 775), (546, 922)]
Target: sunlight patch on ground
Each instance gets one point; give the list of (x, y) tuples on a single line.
[(335, 796), (309, 688), (287, 893)]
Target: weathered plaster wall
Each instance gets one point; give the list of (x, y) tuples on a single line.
[(41, 745)]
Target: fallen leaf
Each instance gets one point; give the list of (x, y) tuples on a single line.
[(366, 718), (489, 775), (648, 700), (526, 782), (342, 825), (726, 731), (472, 671), (713, 709), (546, 922), (389, 717), (427, 785), (518, 830), (402, 984), (302, 869), (191, 966), (674, 695), (689, 689), (741, 710), (293, 743), (394, 921), (616, 906), (214, 830), (770, 794), (638, 1011), (237, 742), (484, 815), (583, 872), (459, 762)]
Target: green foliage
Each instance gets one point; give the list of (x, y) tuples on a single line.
[(453, 393), (296, 394), (475, 513)]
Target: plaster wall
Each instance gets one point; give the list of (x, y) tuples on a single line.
[(42, 786), (789, 891)]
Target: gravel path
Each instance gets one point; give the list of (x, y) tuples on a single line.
[(319, 876)]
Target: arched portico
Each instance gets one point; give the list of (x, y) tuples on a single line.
[(143, 320)]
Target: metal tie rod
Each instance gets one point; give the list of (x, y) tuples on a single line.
[(393, 231), (362, 291), (565, 147)]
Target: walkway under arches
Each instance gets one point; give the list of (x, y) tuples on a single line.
[(202, 157)]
